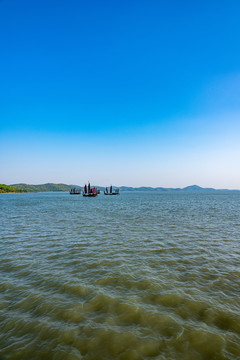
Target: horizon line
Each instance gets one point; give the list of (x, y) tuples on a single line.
[(133, 187)]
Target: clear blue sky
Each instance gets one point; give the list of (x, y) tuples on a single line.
[(123, 92)]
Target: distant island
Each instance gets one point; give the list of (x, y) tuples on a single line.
[(50, 187)]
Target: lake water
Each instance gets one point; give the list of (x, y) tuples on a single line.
[(136, 276)]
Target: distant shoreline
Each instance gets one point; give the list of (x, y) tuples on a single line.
[(52, 187)]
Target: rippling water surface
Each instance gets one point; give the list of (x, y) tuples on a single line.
[(135, 276)]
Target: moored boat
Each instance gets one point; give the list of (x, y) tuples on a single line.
[(75, 191), (90, 192), (111, 192)]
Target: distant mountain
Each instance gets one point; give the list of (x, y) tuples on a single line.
[(49, 187), (44, 187), (187, 188), (197, 188)]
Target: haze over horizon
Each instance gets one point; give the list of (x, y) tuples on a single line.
[(129, 93)]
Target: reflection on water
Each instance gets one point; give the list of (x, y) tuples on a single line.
[(138, 276)]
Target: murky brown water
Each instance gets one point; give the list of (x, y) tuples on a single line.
[(138, 276)]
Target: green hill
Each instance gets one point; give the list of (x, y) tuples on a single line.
[(10, 189), (44, 187)]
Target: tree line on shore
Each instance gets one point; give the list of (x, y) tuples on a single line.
[(10, 189), (21, 188)]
